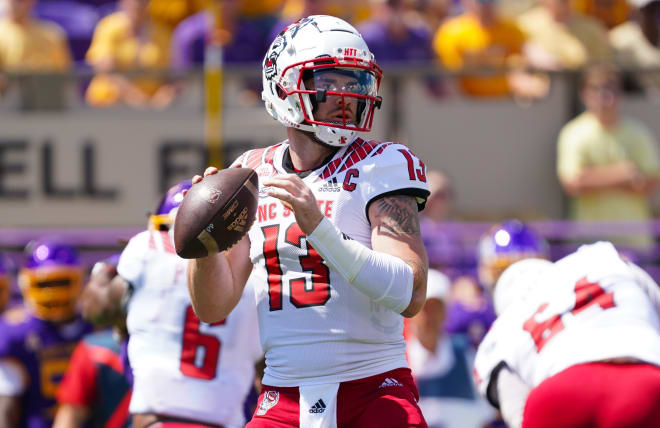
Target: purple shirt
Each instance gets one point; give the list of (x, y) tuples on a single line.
[(189, 42), (415, 47), (44, 349), (474, 323)]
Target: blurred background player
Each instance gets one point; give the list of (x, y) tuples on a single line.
[(186, 373), (442, 364), (95, 391), (576, 343), (471, 311), (36, 341)]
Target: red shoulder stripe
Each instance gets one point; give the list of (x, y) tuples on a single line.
[(381, 148), (168, 245), (359, 154), (270, 154), (254, 158), (152, 242), (332, 166)]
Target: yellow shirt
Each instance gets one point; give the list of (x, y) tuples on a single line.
[(114, 41), (610, 12), (463, 43), (584, 142), (37, 46), (169, 13), (579, 41)]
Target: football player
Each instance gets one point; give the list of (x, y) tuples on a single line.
[(505, 243), (337, 254), (95, 390), (186, 373), (576, 343), (36, 341)]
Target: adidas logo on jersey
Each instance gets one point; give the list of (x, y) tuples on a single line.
[(390, 382), (318, 407), (330, 186)]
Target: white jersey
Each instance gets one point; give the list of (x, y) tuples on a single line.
[(315, 327), (183, 367), (594, 307)]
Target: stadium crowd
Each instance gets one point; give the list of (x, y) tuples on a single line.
[(607, 164), (499, 47)]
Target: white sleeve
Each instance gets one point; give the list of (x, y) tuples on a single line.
[(393, 169), (132, 260), (647, 283), (512, 395), (491, 357), (13, 380)]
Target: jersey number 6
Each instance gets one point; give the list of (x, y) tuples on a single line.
[(193, 340)]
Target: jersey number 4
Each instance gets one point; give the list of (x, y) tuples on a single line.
[(310, 261), (198, 346), (586, 294)]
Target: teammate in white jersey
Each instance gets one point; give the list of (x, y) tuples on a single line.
[(337, 253), (186, 373), (576, 343)]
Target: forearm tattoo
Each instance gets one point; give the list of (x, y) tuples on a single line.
[(397, 215)]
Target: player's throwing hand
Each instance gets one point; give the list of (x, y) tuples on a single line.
[(295, 194)]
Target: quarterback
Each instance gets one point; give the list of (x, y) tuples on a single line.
[(337, 254)]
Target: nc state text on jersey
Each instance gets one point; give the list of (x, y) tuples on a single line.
[(272, 210)]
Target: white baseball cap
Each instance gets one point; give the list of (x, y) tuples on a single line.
[(437, 285)]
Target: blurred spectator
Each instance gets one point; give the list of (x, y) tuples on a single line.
[(76, 19), (637, 44), (559, 38), (396, 33), (242, 39), (126, 41), (169, 13), (28, 44), (94, 391), (296, 9), (354, 11), (444, 246), (434, 12), (442, 365), (609, 164), (470, 311), (480, 41), (609, 12)]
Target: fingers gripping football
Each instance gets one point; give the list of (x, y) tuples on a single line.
[(294, 193)]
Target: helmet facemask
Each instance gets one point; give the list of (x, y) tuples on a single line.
[(52, 291), (338, 100), (319, 77)]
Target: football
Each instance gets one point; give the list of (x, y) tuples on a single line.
[(216, 213)]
